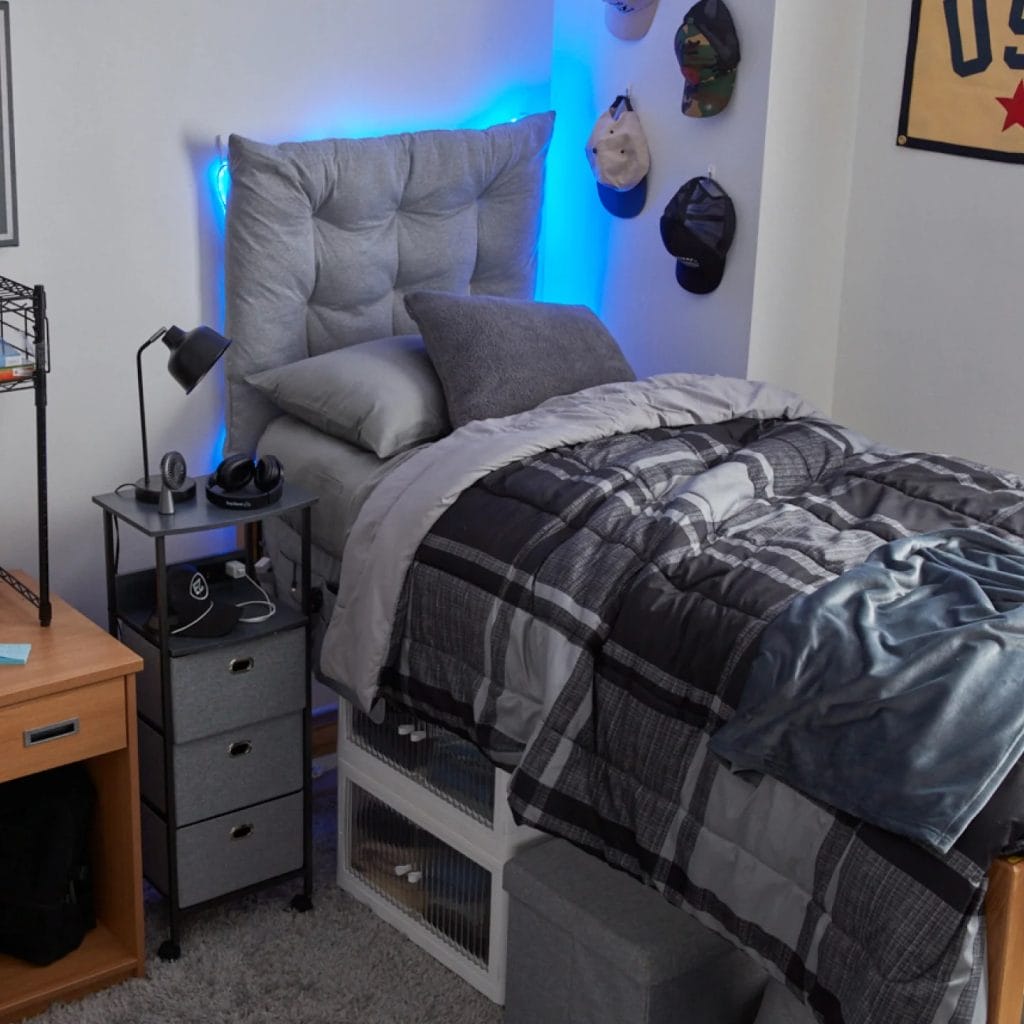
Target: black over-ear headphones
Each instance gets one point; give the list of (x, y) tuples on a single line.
[(240, 483)]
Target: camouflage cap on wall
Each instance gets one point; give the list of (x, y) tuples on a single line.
[(708, 52)]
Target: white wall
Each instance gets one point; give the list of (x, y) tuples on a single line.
[(805, 191), (930, 330), (116, 109), (620, 267)]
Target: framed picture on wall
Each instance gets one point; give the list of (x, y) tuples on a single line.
[(8, 205), (963, 87)]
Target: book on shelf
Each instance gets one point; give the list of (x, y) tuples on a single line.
[(15, 353), (9, 373)]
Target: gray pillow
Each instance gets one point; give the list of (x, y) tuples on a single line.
[(381, 395), (499, 356)]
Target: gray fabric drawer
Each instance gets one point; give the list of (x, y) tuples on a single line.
[(227, 685), (247, 765), (590, 945), (226, 853)]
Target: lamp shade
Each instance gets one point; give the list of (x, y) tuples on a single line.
[(193, 354)]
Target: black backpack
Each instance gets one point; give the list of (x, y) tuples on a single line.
[(46, 901)]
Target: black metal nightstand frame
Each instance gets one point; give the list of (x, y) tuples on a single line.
[(194, 517)]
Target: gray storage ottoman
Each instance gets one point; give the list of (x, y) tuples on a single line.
[(590, 945)]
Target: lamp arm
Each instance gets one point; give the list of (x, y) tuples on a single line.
[(142, 401)]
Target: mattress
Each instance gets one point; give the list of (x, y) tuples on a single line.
[(340, 473)]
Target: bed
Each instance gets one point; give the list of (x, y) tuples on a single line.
[(582, 587)]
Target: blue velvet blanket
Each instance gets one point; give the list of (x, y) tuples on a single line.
[(895, 692)]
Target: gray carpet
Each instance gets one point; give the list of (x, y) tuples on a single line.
[(253, 961)]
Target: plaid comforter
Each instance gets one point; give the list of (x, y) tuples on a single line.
[(588, 614)]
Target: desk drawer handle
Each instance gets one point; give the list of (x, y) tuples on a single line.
[(45, 733), (239, 665), (242, 831), (240, 748)]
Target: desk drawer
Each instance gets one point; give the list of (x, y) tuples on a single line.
[(225, 686), (70, 726)]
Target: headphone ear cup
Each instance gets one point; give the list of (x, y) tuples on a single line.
[(269, 473), (234, 472)]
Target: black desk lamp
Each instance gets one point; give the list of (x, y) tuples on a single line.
[(192, 356)]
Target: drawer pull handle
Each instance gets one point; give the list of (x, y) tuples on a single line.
[(405, 728), (240, 748), (242, 831), (413, 877), (418, 736), (402, 869), (45, 733), (236, 666)]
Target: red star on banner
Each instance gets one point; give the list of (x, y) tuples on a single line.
[(1014, 106)]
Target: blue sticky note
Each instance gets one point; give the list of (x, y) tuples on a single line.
[(14, 654)]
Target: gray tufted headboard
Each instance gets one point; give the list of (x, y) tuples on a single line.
[(324, 239)]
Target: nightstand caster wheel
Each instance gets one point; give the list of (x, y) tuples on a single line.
[(169, 950), (301, 903)]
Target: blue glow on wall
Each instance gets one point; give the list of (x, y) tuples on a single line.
[(575, 227), (507, 109), (217, 448), (222, 182)]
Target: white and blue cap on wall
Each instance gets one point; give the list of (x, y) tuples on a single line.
[(619, 157), (629, 19)]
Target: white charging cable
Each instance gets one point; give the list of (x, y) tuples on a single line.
[(236, 570), (199, 618)]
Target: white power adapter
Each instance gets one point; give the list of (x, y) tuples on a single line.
[(236, 570)]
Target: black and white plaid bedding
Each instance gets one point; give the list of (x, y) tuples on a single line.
[(630, 577)]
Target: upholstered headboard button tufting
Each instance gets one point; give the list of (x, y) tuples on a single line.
[(325, 238)]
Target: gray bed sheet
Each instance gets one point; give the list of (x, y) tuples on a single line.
[(340, 473), (343, 476)]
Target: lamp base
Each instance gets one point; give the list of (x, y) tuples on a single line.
[(147, 489)]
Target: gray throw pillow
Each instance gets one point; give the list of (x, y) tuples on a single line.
[(381, 395), (499, 356)]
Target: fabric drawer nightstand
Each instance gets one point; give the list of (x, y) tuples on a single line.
[(590, 945)]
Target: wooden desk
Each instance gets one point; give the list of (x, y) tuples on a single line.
[(77, 670)]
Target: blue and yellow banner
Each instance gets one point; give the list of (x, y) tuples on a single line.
[(963, 91)]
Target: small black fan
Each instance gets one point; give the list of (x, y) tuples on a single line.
[(172, 476)]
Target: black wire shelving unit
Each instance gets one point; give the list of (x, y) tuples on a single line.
[(25, 330)]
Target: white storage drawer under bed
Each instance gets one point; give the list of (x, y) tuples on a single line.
[(424, 835)]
